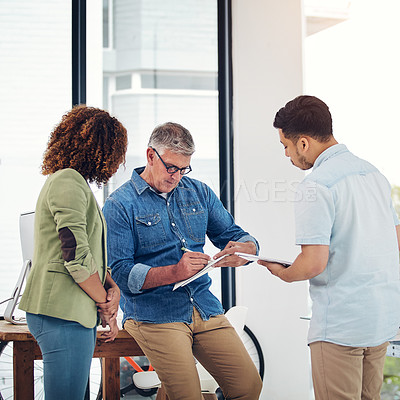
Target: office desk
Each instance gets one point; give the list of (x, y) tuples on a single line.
[(26, 351)]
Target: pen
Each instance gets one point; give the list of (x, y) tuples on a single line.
[(185, 249)]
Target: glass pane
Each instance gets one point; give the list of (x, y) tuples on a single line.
[(35, 90), (106, 24), (160, 64)]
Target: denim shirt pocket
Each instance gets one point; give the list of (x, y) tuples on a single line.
[(195, 220), (150, 230)]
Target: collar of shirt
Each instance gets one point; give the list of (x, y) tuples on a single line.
[(332, 151), (141, 185)]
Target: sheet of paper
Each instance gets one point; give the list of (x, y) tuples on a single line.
[(203, 271), (253, 257)]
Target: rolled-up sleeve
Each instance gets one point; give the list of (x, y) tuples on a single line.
[(137, 277), (67, 201), (249, 238)]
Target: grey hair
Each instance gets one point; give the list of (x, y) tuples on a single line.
[(174, 137)]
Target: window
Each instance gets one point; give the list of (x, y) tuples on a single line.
[(35, 81), (107, 23), (159, 63), (162, 66)]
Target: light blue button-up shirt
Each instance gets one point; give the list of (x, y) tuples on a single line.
[(345, 203), (145, 230)]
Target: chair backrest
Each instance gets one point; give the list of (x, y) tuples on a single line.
[(26, 226)]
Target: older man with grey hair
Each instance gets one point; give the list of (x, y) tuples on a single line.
[(157, 225)]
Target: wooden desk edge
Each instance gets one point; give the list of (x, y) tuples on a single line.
[(123, 345)]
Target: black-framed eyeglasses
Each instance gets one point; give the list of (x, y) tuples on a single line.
[(172, 169)]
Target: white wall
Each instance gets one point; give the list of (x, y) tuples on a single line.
[(267, 72)]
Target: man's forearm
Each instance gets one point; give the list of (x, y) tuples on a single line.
[(252, 247), (300, 270), (160, 276), (309, 263), (188, 265)]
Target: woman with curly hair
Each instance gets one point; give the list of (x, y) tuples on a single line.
[(69, 289)]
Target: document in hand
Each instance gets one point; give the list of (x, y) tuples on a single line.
[(203, 271), (253, 257)]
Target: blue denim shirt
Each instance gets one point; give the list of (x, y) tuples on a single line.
[(146, 230)]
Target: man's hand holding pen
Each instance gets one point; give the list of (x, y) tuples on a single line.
[(190, 263)]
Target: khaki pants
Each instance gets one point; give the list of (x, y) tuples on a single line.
[(347, 373), (171, 349)]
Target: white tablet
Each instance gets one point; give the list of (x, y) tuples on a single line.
[(203, 271), (253, 257)]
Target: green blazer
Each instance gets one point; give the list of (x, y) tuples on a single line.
[(69, 246)]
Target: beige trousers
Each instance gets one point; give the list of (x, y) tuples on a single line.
[(171, 348), (347, 373)]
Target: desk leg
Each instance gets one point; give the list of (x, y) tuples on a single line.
[(23, 356), (110, 374)]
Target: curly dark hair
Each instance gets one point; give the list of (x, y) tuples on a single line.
[(88, 140)]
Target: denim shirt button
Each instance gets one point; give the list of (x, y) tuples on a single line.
[(191, 299), (173, 223), (149, 223), (194, 210)]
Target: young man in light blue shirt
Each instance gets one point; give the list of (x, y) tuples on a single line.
[(349, 236)]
